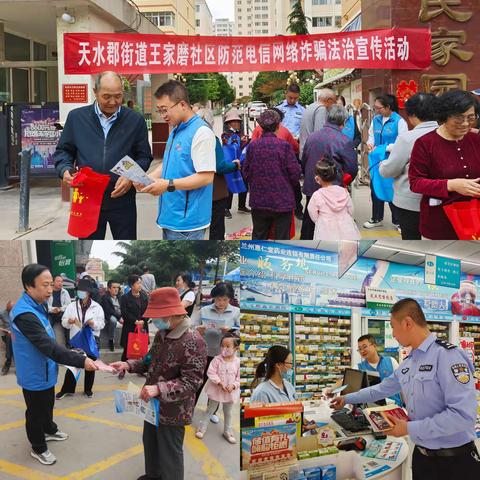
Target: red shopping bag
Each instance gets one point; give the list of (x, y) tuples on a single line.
[(137, 345), (88, 189), (465, 218), (271, 233)]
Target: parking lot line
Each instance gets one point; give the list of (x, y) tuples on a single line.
[(110, 423), (25, 473)]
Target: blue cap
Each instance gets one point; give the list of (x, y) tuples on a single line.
[(476, 91)]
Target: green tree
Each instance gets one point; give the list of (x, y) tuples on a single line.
[(297, 21), (306, 94), (226, 93), (269, 86), (197, 86)]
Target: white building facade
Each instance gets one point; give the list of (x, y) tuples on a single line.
[(203, 18)]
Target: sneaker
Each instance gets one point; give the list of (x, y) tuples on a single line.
[(146, 477), (47, 457), (5, 370), (373, 223), (88, 394), (61, 395), (200, 434), (228, 214), (397, 227), (214, 419), (229, 437), (299, 214), (245, 210), (58, 436)]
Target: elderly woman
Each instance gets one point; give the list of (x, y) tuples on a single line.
[(421, 114), (271, 170), (444, 165), (331, 142)]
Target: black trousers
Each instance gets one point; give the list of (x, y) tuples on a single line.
[(263, 221), (297, 190), (163, 451), (69, 382), (466, 467), (39, 417), (122, 221), (409, 222), (378, 208), (8, 350), (308, 227), (242, 200), (217, 224)]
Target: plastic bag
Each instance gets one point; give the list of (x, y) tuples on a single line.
[(383, 187), (85, 340), (137, 345), (465, 218)]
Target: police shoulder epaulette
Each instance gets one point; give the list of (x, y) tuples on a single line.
[(445, 344)]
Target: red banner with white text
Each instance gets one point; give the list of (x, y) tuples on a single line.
[(396, 48)]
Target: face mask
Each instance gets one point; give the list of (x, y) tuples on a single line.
[(81, 295), (161, 324), (227, 352), (287, 375)]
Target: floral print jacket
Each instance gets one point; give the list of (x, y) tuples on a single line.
[(175, 362)]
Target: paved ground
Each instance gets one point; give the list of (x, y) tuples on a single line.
[(49, 215), (103, 445)]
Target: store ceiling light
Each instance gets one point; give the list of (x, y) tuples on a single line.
[(67, 18)]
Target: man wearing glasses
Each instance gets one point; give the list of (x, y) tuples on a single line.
[(373, 362), (184, 181), (98, 136)]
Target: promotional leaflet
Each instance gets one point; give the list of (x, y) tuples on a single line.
[(383, 450), (378, 419), (129, 401)]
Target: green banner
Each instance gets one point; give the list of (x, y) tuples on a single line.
[(63, 258)]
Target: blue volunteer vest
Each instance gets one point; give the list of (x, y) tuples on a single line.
[(349, 128), (35, 371), (384, 369), (385, 133), (183, 210)]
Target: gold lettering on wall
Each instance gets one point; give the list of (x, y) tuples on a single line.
[(446, 42), (439, 84), (433, 8)]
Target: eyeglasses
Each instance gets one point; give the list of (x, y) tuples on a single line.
[(363, 348), (377, 109), (460, 119), (164, 111)]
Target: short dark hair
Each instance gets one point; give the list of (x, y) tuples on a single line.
[(234, 335), (326, 169), (453, 102), (342, 99), (422, 105), (388, 100), (282, 115), (409, 307), (145, 269), (111, 282), (187, 278), (222, 289), (133, 279), (175, 91), (57, 276), (30, 273), (368, 337), (294, 88)]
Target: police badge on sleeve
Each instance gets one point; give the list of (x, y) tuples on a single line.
[(461, 372)]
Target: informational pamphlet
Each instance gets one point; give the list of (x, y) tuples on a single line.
[(378, 417), (129, 401), (383, 450), (129, 168)]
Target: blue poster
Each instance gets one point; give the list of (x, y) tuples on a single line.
[(281, 274)]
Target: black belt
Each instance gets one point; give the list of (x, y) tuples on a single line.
[(447, 452)]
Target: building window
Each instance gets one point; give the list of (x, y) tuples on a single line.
[(338, 21), (161, 19), (321, 21), (17, 49), (338, 2), (197, 22), (321, 2), (197, 8), (39, 51)]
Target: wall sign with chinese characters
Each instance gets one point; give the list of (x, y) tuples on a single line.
[(396, 48), (75, 93), (442, 271)]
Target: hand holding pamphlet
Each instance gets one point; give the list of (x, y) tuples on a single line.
[(378, 417), (129, 168)]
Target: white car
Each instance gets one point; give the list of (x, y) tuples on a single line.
[(255, 109)]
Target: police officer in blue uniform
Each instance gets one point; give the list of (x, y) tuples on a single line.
[(437, 383)]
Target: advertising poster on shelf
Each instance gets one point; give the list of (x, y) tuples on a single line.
[(468, 345), (281, 275)]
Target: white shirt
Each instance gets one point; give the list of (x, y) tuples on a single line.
[(94, 312), (394, 364), (203, 150)]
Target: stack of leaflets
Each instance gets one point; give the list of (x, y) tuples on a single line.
[(378, 417)]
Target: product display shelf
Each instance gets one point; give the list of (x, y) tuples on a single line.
[(322, 351), (259, 331), (439, 329), (472, 330)]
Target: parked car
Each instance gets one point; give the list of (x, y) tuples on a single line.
[(255, 109)]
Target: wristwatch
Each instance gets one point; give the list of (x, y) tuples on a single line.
[(171, 186)]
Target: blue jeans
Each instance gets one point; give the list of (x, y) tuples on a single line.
[(173, 235)]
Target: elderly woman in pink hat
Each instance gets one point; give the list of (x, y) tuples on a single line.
[(174, 366)]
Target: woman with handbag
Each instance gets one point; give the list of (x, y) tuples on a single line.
[(83, 313), (132, 305)]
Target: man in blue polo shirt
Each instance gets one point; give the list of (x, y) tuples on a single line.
[(184, 181)]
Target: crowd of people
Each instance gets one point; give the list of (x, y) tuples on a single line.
[(200, 173), (192, 348)]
